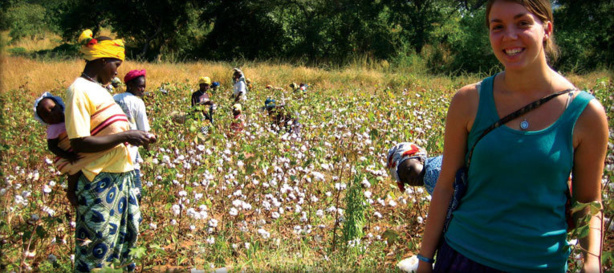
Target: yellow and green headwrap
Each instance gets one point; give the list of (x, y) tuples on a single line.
[(93, 49)]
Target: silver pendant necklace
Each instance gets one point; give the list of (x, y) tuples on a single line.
[(524, 124)]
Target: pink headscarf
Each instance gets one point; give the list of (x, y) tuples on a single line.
[(133, 74)]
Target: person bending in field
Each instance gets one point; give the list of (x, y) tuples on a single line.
[(281, 118), (408, 164), (202, 98), (49, 111), (238, 120)]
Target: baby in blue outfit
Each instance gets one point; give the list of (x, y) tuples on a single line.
[(408, 164)]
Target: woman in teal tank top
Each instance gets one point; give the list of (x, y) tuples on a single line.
[(512, 217)]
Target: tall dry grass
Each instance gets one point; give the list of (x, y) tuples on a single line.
[(39, 75), (36, 76)]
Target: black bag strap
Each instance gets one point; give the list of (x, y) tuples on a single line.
[(527, 108)]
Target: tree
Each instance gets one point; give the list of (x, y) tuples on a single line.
[(242, 29), (154, 27), (416, 19), (584, 32)]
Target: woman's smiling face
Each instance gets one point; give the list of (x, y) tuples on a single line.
[(516, 35)]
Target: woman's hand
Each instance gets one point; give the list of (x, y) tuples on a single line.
[(73, 157), (139, 138)]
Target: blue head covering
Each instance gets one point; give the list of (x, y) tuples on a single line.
[(269, 103), (46, 95)]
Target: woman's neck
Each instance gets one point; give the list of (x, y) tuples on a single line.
[(90, 74), (538, 78)]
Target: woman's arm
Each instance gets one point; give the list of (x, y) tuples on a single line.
[(458, 123), (52, 145), (92, 144), (590, 147)]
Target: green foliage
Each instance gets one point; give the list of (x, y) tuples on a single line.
[(433, 36), (584, 33), (354, 214), (26, 20)]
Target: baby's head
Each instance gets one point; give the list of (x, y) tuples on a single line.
[(49, 109), (406, 163)]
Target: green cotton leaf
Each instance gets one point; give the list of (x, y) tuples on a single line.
[(577, 206), (249, 169), (391, 236), (595, 207), (41, 232), (582, 231), (138, 252), (26, 236), (371, 117), (374, 134)]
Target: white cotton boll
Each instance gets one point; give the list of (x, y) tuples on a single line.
[(49, 211), (211, 240), (392, 203), (420, 220), (365, 183), (367, 194), (153, 226), (183, 193), (297, 229), (264, 233), (192, 227), (48, 161), (319, 213), (26, 194), (203, 215), (409, 265), (275, 215), (198, 196), (237, 203), (46, 189), (233, 212), (378, 215), (213, 223)]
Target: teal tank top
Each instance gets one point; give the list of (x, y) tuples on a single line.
[(512, 217)]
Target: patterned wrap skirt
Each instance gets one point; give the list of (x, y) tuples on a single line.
[(108, 218)]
